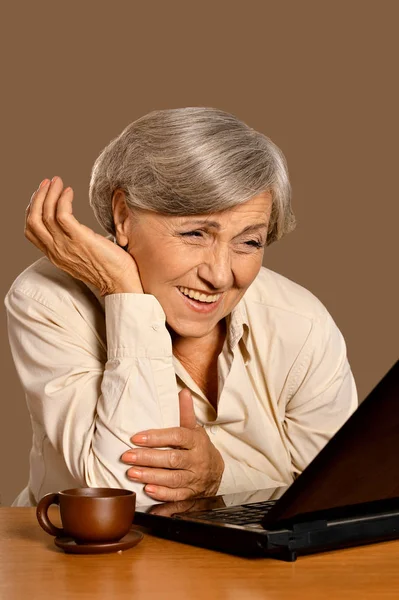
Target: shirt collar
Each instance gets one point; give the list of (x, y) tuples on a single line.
[(238, 329), (237, 323)]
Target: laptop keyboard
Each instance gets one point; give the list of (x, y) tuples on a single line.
[(250, 515)]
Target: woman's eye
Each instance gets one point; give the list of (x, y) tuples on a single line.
[(201, 234), (254, 243), (192, 233)]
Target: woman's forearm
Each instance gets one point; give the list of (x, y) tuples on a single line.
[(88, 412)]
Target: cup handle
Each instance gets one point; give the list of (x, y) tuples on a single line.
[(42, 516)]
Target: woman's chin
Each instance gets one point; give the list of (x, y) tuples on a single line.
[(188, 330)]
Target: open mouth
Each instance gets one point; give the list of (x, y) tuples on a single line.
[(198, 297), (201, 303)]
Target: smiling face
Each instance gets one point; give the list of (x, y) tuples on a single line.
[(179, 258)]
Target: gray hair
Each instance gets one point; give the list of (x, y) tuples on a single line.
[(193, 160)]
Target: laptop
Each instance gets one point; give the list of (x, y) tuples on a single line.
[(347, 496)]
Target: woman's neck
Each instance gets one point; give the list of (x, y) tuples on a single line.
[(209, 346)]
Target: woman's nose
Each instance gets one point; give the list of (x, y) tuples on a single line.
[(216, 269)]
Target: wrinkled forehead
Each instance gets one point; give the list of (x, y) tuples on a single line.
[(253, 212)]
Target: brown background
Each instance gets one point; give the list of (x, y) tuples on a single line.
[(316, 76)]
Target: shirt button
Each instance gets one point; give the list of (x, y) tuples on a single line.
[(213, 429), (156, 327)]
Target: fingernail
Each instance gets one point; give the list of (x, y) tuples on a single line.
[(150, 489), (140, 438), (54, 178), (135, 473), (130, 456), (43, 183)]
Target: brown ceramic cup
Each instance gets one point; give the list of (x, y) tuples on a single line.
[(89, 515)]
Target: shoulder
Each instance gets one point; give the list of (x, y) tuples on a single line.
[(294, 331), (282, 311), (277, 294), (53, 288)]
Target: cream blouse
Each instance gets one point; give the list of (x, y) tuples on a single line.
[(97, 370)]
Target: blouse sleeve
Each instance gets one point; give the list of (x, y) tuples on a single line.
[(322, 393), (239, 476), (88, 404)]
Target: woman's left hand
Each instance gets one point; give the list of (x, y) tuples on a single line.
[(193, 467)]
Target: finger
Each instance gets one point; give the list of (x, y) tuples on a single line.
[(187, 414), (175, 437), (29, 234), (33, 215), (38, 197), (66, 219), (27, 209), (31, 198), (35, 240), (165, 459), (64, 215), (50, 204), (166, 510), (171, 478), (165, 494), (41, 191)]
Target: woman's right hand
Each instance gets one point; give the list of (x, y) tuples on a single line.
[(75, 248)]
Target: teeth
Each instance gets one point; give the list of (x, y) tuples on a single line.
[(198, 296)]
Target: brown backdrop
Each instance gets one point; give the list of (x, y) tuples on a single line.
[(316, 76)]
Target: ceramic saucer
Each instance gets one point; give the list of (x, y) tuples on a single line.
[(69, 545)]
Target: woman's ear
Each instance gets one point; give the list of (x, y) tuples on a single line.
[(120, 212)]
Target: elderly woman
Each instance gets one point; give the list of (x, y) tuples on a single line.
[(165, 358)]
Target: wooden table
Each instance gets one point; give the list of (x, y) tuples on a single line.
[(32, 567)]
